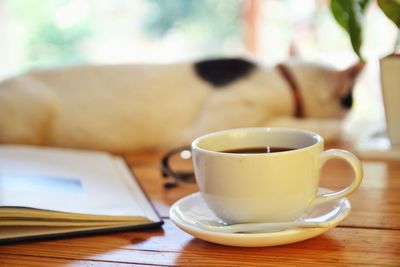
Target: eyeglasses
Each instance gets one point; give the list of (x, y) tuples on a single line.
[(176, 165)]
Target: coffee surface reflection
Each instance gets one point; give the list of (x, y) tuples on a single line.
[(257, 150)]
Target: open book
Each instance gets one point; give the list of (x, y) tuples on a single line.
[(47, 192)]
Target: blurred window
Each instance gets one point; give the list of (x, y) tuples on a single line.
[(54, 33)]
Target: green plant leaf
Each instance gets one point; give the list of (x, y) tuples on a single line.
[(391, 8), (350, 15), (364, 4)]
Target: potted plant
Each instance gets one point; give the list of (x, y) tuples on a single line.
[(349, 14)]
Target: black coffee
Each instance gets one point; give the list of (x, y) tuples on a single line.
[(257, 150)]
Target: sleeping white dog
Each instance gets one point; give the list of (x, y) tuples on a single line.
[(126, 107)]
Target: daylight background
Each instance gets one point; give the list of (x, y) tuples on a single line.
[(55, 33)]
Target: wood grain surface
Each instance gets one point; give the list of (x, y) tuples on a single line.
[(369, 236)]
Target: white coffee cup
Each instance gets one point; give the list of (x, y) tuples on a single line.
[(265, 187)]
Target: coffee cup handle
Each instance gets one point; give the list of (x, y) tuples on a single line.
[(355, 164)]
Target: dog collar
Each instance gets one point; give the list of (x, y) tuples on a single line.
[(289, 78)]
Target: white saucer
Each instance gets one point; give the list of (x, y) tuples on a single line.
[(194, 207)]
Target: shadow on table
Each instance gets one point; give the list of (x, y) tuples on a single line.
[(199, 253)]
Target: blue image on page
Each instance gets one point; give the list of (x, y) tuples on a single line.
[(39, 183)]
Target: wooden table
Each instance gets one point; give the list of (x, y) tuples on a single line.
[(369, 236)]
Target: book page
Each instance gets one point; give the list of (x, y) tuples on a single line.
[(64, 180), (26, 231), (133, 185)]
